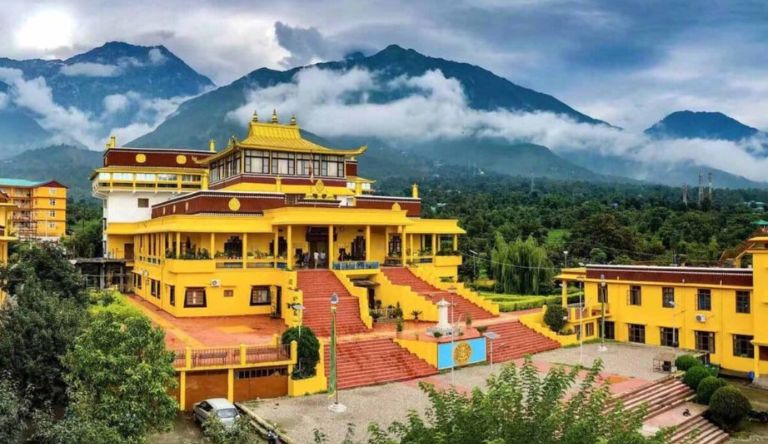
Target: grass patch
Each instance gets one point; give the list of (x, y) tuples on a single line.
[(516, 302)]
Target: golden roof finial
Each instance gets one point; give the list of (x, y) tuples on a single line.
[(293, 119), (255, 117), (274, 116)]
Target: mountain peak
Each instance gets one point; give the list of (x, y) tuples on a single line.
[(713, 125)]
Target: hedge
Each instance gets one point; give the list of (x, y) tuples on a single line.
[(707, 387), (695, 375), (684, 362), (728, 407)]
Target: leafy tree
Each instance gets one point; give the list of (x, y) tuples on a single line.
[(521, 266), (241, 431), (73, 429), (707, 387), (47, 264), (308, 350), (120, 375), (38, 329), (521, 405), (728, 407), (555, 317), (12, 409), (85, 239)]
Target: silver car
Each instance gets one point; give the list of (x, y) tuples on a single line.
[(218, 407)]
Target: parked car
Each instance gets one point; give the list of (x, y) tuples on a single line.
[(218, 407)]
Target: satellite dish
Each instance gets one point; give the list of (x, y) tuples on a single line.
[(334, 299)]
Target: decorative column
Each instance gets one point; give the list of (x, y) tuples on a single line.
[(212, 241), (275, 243), (245, 247), (443, 326), (434, 247), (410, 245), (289, 252), (367, 242), (330, 246), (564, 294), (455, 242), (402, 245), (178, 245)]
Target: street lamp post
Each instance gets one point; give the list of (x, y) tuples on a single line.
[(491, 336), (452, 290), (565, 261), (336, 407), (581, 323), (603, 296)]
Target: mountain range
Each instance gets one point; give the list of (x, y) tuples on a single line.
[(122, 85)]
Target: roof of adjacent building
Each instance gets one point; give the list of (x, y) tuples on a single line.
[(671, 274), (24, 183)]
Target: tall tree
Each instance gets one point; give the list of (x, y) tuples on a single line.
[(521, 266), (120, 375)]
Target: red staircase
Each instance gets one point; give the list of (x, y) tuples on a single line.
[(699, 430), (375, 361), (516, 340), (404, 276), (318, 286), (658, 397)]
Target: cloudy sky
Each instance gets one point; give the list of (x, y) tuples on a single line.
[(627, 62)]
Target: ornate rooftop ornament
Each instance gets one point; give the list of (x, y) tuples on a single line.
[(274, 116)]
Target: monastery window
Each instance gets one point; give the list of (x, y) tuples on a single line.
[(705, 341), (602, 293), (668, 297), (742, 302), (742, 346), (704, 300), (167, 177), (190, 178), (284, 164), (145, 177), (154, 288), (260, 295), (610, 330), (637, 333), (229, 292), (668, 336), (104, 176), (304, 164), (52, 202), (172, 295), (257, 161), (52, 213), (137, 280), (590, 329), (635, 295), (332, 166), (232, 165), (143, 202), (122, 176), (51, 224), (194, 297)]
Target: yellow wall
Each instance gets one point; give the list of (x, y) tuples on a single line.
[(46, 206), (722, 319)]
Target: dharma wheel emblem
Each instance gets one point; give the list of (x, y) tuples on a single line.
[(141, 158), (234, 204), (181, 159), (462, 353)]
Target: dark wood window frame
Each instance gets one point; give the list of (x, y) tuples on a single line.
[(668, 297), (742, 346), (743, 302), (254, 292), (190, 297), (636, 333), (704, 299)]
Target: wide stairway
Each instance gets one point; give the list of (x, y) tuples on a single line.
[(317, 287), (463, 307), (658, 396), (375, 361), (516, 340)]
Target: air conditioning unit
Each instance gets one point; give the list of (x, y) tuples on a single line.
[(701, 318), (215, 283)]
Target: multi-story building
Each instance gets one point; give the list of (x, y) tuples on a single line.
[(224, 233), (720, 312), (40, 211)]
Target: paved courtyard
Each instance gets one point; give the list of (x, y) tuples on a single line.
[(626, 367)]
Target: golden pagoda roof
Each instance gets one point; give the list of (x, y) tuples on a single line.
[(275, 136)]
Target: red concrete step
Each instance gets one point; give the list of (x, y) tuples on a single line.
[(317, 287), (699, 430), (658, 396), (516, 340), (375, 361), (462, 308)]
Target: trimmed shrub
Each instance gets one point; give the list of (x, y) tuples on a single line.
[(684, 362), (695, 375), (555, 317), (308, 350), (728, 407), (707, 387)]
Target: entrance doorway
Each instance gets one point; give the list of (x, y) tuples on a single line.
[(317, 238)]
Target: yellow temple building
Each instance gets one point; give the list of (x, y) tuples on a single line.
[(224, 233)]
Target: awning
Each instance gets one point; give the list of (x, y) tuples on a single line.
[(365, 283)]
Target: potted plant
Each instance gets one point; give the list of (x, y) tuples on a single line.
[(481, 329), (399, 326), (416, 314), (375, 315)]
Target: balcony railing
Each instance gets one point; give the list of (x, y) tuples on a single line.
[(576, 312), (230, 356), (356, 265)]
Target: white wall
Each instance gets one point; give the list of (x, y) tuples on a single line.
[(124, 206)]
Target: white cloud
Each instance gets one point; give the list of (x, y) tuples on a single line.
[(70, 124), (336, 104), (4, 100), (114, 103), (151, 113), (89, 69), (156, 57)]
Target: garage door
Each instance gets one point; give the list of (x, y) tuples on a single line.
[(205, 385), (262, 382)]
